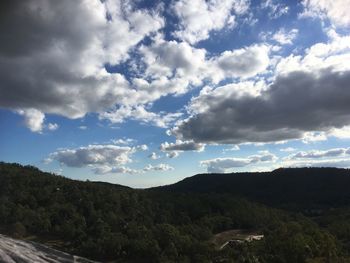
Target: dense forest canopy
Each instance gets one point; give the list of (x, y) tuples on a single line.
[(292, 187), (302, 213)]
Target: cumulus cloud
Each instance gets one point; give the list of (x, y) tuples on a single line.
[(104, 159), (153, 156), (168, 58), (61, 70), (222, 165), (244, 62), (173, 67), (93, 155), (33, 119), (101, 159), (318, 57), (336, 11), (52, 126), (293, 104), (197, 18), (307, 99), (139, 113)]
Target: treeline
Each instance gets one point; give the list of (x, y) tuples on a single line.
[(114, 223)]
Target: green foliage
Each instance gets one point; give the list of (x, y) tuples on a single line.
[(115, 223)]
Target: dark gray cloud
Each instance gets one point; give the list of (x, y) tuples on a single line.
[(293, 104), (182, 146), (53, 53), (316, 154)]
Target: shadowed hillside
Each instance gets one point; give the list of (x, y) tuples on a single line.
[(108, 222), (288, 188)]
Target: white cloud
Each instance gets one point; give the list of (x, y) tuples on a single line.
[(222, 165), (336, 11), (334, 157), (101, 159), (142, 147), (127, 27), (139, 113), (338, 163), (197, 18), (160, 167), (125, 141), (284, 37), (163, 57), (311, 137), (33, 119), (342, 133), (288, 149), (153, 156), (174, 67), (233, 148), (105, 169), (275, 8), (244, 62), (111, 155), (319, 57), (52, 126)]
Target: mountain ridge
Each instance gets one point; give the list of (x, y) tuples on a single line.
[(113, 223)]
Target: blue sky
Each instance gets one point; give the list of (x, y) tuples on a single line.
[(145, 93)]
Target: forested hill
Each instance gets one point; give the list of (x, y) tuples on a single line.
[(301, 187), (114, 223)]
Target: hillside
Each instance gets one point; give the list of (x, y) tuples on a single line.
[(108, 222), (298, 188)]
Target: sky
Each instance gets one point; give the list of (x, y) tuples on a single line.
[(145, 93)]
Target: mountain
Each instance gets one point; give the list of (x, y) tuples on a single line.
[(178, 223), (284, 188)]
